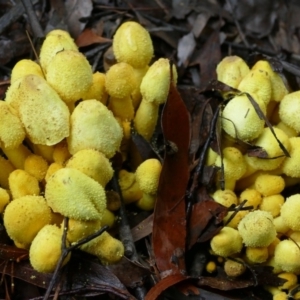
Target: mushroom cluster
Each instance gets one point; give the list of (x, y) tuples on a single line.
[(61, 124), (269, 228)]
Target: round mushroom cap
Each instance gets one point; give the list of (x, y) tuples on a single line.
[(94, 126), (225, 197), (21, 183), (156, 82), (12, 132), (287, 256), (70, 75), (290, 212), (231, 70), (289, 110), (44, 115), (252, 196), (25, 216), (36, 166), (92, 163), (290, 165), (257, 229), (25, 67), (268, 184), (56, 41), (257, 82), (45, 250), (268, 142), (278, 88), (227, 242), (132, 44), (147, 175), (4, 199), (120, 80), (240, 119), (75, 195)]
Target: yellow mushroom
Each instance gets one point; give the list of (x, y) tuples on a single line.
[(131, 191), (36, 166), (272, 204), (107, 248), (44, 115), (70, 75), (290, 212), (52, 169), (94, 126), (132, 44), (12, 132), (278, 88), (92, 163), (287, 256), (25, 217), (225, 197), (45, 250), (256, 255), (268, 142), (17, 156), (289, 109), (4, 199), (154, 89), (268, 184), (227, 242), (290, 165), (56, 41), (97, 89), (252, 196), (75, 195), (147, 177), (120, 83), (231, 70), (25, 67), (22, 183), (61, 152), (257, 229), (234, 268), (257, 82), (240, 119)]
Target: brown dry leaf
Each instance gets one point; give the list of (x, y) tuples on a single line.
[(89, 37)]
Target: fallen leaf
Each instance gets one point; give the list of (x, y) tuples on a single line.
[(89, 37), (185, 49)]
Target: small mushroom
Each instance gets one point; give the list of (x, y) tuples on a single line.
[(45, 250), (25, 67)]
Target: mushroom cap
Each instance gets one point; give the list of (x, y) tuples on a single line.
[(278, 88), (75, 195), (227, 242), (132, 44), (107, 248), (6, 167), (257, 255), (56, 41), (156, 82), (234, 268), (147, 175), (290, 165), (97, 89), (45, 250), (4, 199), (25, 216), (268, 142), (289, 110), (44, 115), (94, 126), (92, 163), (12, 132), (268, 184), (234, 163), (120, 80), (252, 196), (257, 229), (257, 82), (240, 120), (272, 204), (78, 229), (70, 75), (25, 67), (36, 166), (225, 197), (21, 183), (287, 256), (290, 212), (231, 70), (61, 152)]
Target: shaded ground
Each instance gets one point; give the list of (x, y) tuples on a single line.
[(195, 35)]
